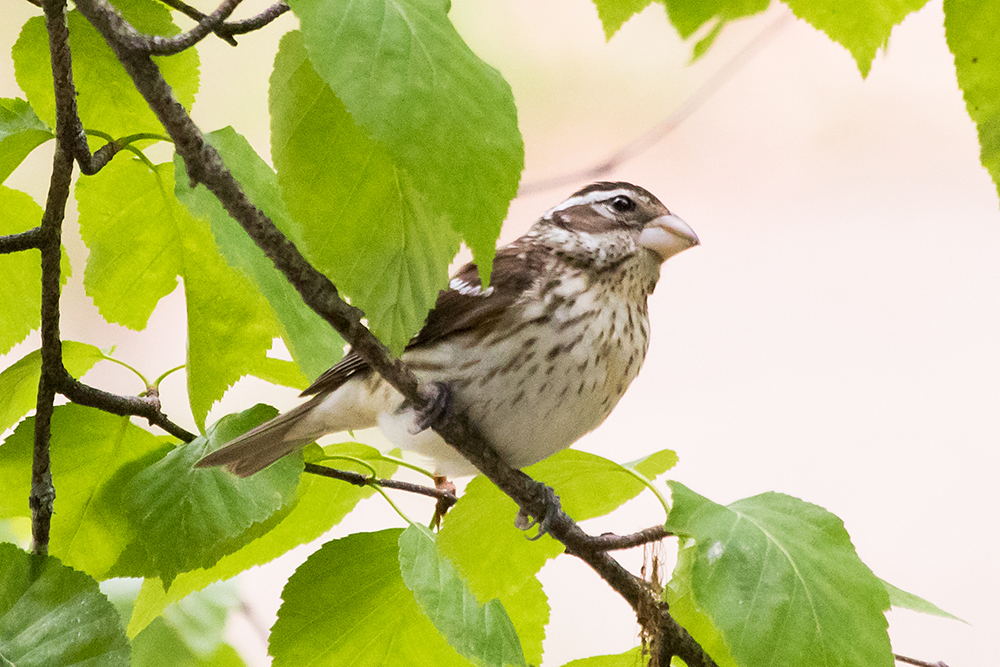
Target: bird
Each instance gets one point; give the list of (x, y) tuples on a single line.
[(535, 359)]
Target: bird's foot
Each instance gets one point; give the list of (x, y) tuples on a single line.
[(551, 512), (437, 409), (442, 483)]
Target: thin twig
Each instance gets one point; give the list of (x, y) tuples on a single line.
[(647, 139), (148, 408), (166, 46), (226, 31), (23, 241), (254, 22), (358, 479), (919, 663), (205, 166), (197, 16), (612, 542)]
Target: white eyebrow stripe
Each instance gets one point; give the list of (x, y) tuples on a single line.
[(590, 198)]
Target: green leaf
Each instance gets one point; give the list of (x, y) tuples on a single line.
[(94, 454), (347, 604), (505, 565), (444, 116), (20, 272), (364, 223), (860, 26), (781, 581), (630, 658), (481, 633), (19, 381), (313, 343), (614, 13), (53, 616), (141, 239), (160, 642), (320, 504), (685, 610), (21, 132), (971, 30), (904, 600), (187, 518), (590, 486), (106, 97), (688, 16)]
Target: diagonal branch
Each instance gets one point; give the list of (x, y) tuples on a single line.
[(225, 31), (147, 408), (166, 46), (205, 166)]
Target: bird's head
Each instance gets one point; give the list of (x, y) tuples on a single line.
[(605, 224)]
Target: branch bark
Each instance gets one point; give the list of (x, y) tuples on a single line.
[(23, 241), (205, 166)]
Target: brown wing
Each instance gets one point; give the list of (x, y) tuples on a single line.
[(515, 269)]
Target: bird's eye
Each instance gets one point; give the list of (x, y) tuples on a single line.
[(623, 204)]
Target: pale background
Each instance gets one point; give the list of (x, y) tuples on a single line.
[(834, 338)]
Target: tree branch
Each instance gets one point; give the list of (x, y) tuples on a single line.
[(134, 406), (255, 22), (205, 166), (23, 241), (612, 542), (357, 479), (69, 129), (919, 663), (225, 31), (167, 46)]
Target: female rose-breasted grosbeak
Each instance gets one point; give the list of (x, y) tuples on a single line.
[(536, 360)]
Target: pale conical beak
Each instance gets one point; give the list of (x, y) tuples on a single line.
[(668, 235)]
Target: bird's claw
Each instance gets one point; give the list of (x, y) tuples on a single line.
[(552, 510), (437, 409)]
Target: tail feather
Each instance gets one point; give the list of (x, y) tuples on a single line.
[(260, 447)]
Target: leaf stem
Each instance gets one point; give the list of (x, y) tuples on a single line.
[(648, 483), (142, 377), (165, 374), (406, 464)]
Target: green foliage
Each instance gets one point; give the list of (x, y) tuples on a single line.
[(141, 240), (444, 117), (19, 381), (186, 519), (391, 252), (860, 26), (347, 604), (94, 455), (687, 16), (482, 633), (781, 581), (320, 504), (314, 345), (21, 273), (392, 144), (971, 30), (21, 132), (106, 99), (903, 600), (53, 616)]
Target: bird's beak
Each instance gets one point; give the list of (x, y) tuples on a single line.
[(667, 235)]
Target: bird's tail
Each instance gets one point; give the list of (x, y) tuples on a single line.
[(260, 447)]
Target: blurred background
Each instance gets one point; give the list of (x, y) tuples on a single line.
[(835, 337)]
